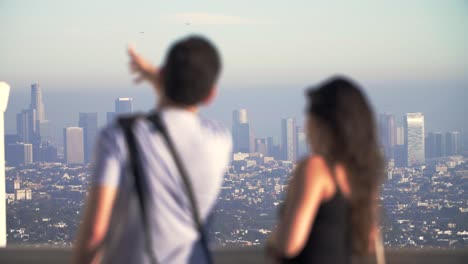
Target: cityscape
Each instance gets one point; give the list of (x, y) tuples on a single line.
[(423, 200)]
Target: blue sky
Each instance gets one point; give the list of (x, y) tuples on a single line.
[(81, 44)]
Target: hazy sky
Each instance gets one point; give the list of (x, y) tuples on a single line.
[(79, 46)]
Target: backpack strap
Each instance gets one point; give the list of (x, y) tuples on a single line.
[(160, 126), (126, 123)]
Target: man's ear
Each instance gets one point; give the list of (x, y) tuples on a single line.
[(211, 96)]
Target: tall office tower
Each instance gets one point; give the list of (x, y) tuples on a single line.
[(271, 145), (302, 145), (434, 145), (452, 143), (387, 131), (37, 103), (400, 135), (73, 143), (44, 131), (26, 126), (41, 125), (123, 105), (89, 123), (19, 153), (241, 132), (261, 146), (274, 150), (414, 138), (289, 139), (48, 152)]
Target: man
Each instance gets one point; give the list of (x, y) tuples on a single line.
[(112, 229)]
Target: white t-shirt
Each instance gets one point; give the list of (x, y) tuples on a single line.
[(204, 147)]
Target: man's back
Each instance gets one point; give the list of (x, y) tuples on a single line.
[(203, 146)]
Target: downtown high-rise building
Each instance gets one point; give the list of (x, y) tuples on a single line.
[(26, 126), (274, 150), (387, 133), (31, 124), (37, 103), (261, 146), (302, 144), (434, 145), (289, 139), (241, 132), (122, 105), (453, 143), (400, 136), (19, 153), (89, 123), (414, 138), (73, 145), (41, 122)]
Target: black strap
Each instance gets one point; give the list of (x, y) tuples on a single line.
[(159, 125), (134, 158)]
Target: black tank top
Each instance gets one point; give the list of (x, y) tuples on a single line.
[(328, 241)]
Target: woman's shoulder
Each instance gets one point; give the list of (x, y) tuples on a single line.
[(315, 171), (313, 166)]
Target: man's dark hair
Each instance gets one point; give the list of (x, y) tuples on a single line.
[(190, 71)]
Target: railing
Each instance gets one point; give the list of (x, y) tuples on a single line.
[(21, 255)]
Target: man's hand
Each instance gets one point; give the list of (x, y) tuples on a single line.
[(144, 70)]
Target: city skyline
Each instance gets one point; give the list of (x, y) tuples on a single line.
[(265, 118), (415, 146)]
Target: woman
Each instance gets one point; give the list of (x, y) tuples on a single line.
[(330, 208)]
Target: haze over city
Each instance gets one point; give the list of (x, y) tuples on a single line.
[(408, 56)]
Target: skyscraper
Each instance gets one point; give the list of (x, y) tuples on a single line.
[(19, 153), (302, 145), (452, 143), (400, 135), (241, 132), (26, 126), (89, 123), (261, 146), (73, 143), (123, 105), (42, 126), (434, 145), (31, 124), (37, 103), (414, 138), (388, 133), (289, 139)]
